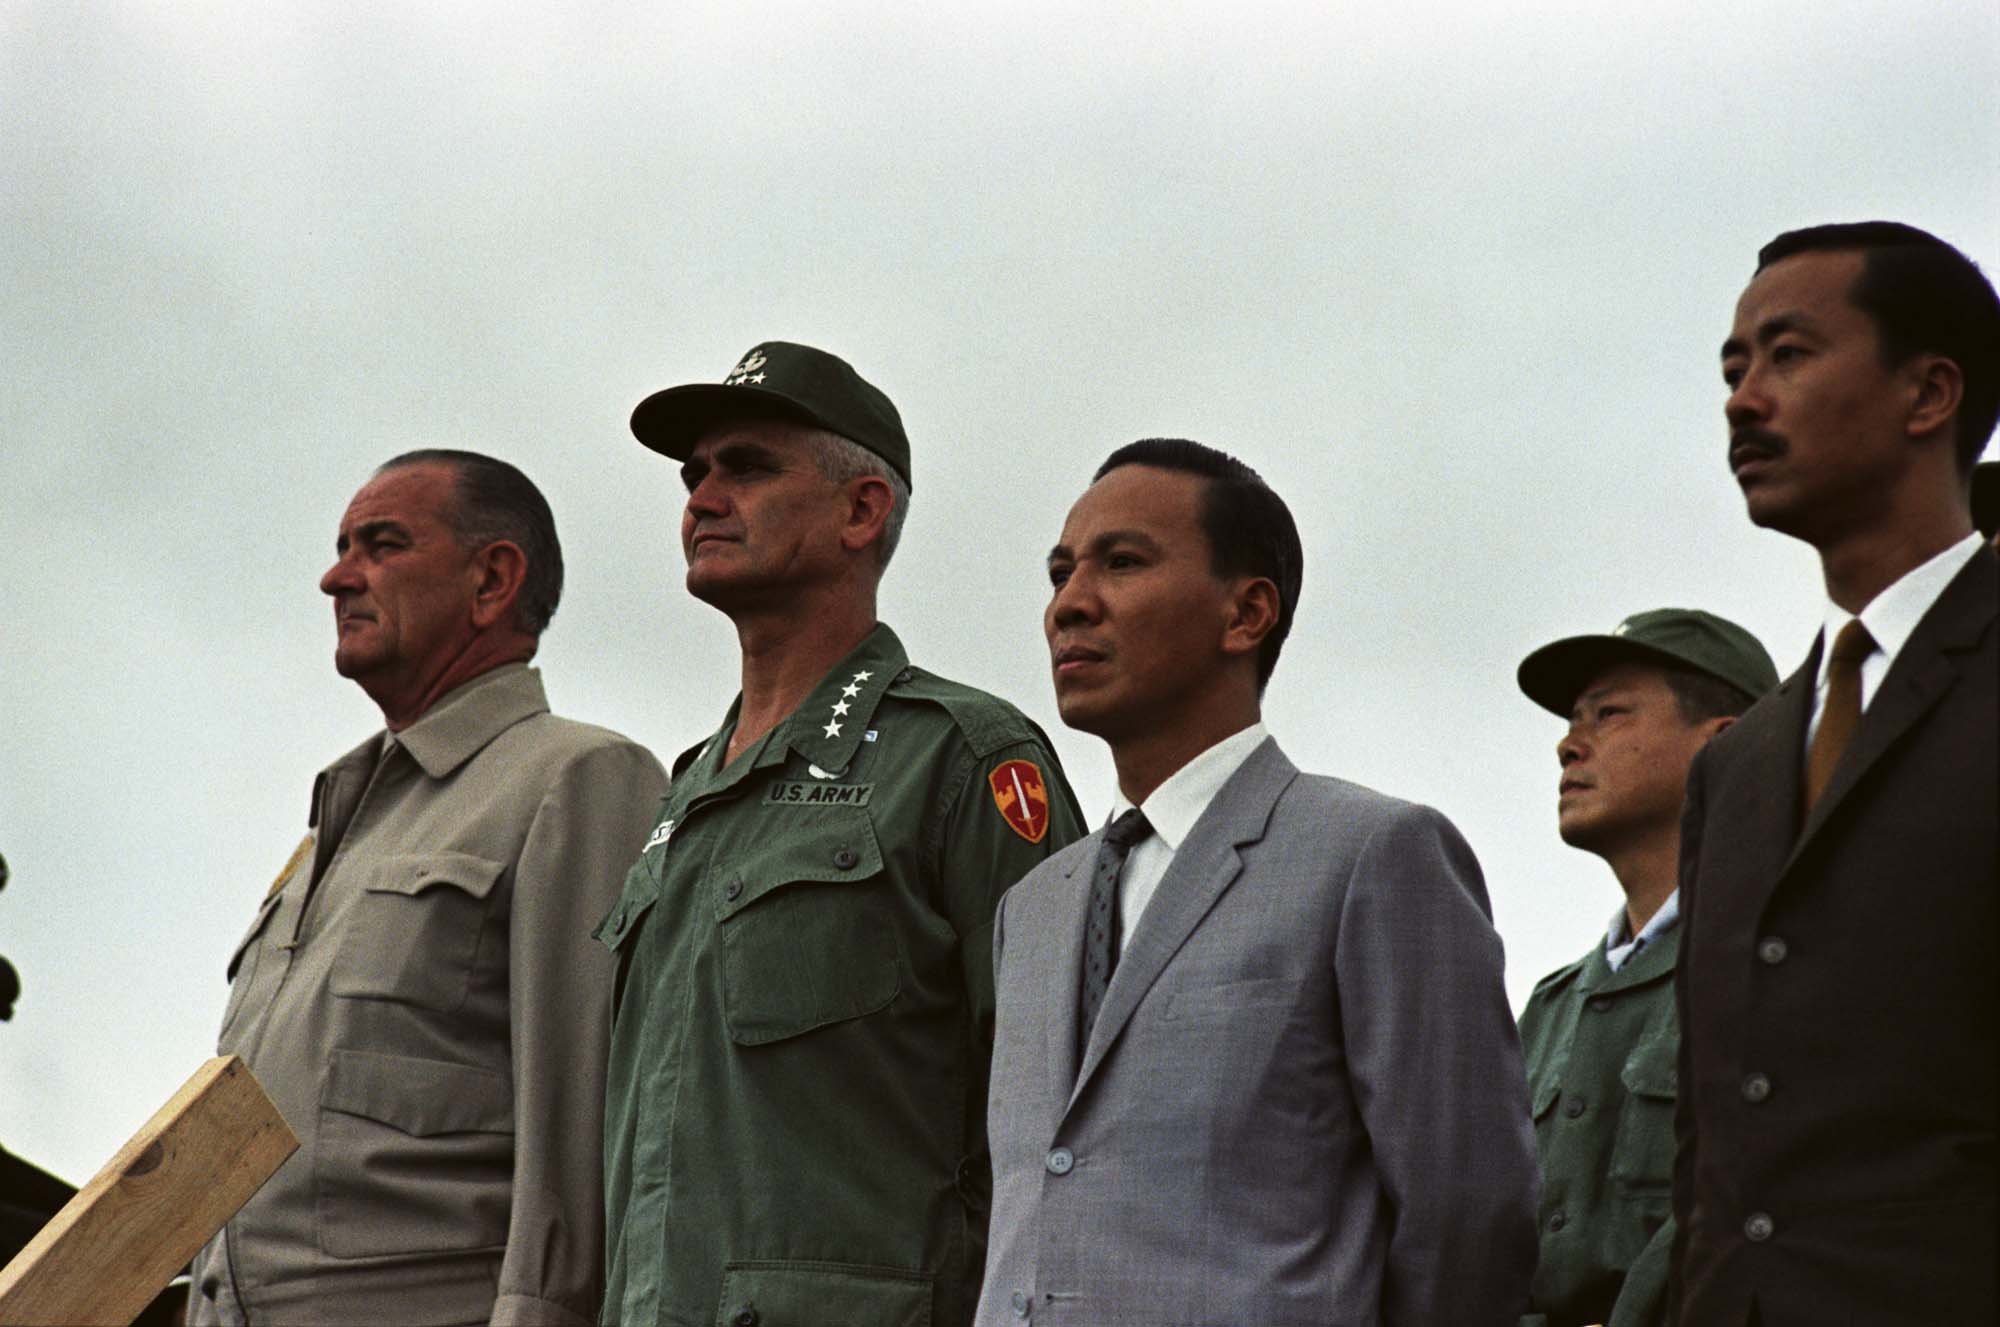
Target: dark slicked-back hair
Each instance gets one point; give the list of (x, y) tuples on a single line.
[(494, 501), (1249, 528), (1925, 297)]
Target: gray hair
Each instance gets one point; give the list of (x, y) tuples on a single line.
[(493, 501), (841, 459)]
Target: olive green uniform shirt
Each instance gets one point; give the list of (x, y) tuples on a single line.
[(1601, 1048), (795, 1123)]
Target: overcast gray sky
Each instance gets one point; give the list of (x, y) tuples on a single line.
[(1452, 276)]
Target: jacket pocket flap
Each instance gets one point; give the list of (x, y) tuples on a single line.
[(625, 916), (827, 1293), (1545, 1095), (420, 1097), (1652, 1071), (413, 873), (837, 845), (264, 911)]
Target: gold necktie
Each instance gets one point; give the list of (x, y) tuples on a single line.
[(1842, 714)]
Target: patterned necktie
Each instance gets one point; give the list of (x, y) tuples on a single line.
[(1100, 924), (1842, 714)]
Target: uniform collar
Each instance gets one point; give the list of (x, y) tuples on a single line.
[(469, 716), (828, 726)]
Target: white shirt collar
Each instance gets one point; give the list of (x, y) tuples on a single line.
[(1894, 613), (1620, 945), (1176, 804)]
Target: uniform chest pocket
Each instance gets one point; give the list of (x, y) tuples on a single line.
[(804, 928), (414, 933), (1642, 1158)]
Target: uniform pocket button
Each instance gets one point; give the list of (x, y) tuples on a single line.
[(1573, 1107), (747, 1316), (1558, 1221), (1600, 1003), (845, 859), (734, 891)]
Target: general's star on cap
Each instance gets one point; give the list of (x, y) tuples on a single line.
[(833, 728)]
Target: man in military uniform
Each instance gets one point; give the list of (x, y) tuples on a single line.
[(419, 993), (1600, 1035), (795, 1127)]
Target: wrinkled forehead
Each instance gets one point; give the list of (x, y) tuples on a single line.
[(408, 495)]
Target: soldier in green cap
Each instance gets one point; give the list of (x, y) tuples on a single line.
[(1600, 1035), (795, 1118)]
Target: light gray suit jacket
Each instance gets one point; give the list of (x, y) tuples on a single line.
[(1303, 1099)]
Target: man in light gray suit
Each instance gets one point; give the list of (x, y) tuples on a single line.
[(1253, 1061)]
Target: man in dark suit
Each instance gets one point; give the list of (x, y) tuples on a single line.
[(1837, 987), (1253, 1060)]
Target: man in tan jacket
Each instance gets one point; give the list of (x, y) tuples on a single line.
[(419, 992)]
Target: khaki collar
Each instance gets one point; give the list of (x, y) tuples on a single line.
[(466, 718)]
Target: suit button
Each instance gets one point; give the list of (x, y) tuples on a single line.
[(1600, 1003), (1022, 1305), (845, 859), (1061, 1161), (1755, 1088), (734, 891), (746, 1316), (1573, 1107), (1759, 1227), (1557, 1221), (1772, 950)]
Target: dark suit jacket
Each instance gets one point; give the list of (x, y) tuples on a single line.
[(1837, 992)]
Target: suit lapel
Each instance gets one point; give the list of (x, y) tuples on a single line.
[(1068, 899), (1923, 671), (1203, 868), (1760, 826)]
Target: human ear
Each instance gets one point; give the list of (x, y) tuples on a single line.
[(1937, 390), (1253, 614), (869, 501), (499, 569)]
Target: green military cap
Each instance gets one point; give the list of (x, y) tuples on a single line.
[(781, 379), (1986, 498), (1677, 637)]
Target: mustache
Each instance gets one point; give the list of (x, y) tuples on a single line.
[(1756, 445)]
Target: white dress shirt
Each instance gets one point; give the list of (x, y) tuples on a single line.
[(1171, 810), (1890, 618), (1621, 945)]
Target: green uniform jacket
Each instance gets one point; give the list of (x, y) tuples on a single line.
[(795, 1120), (1601, 1048)]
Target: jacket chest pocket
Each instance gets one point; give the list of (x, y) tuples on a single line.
[(1642, 1157), (413, 935), (805, 935), (243, 965)]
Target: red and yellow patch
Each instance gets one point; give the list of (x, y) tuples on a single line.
[(1023, 798)]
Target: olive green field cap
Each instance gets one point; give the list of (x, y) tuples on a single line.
[(777, 379), (1553, 676)]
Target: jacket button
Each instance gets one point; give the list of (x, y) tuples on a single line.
[(734, 891), (1755, 1088), (1557, 1221), (1573, 1107), (1772, 950), (1061, 1161), (1600, 1003), (1022, 1304), (845, 859), (744, 1317), (1759, 1227)]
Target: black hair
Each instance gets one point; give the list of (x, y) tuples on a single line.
[(1250, 530), (493, 500), (1924, 297), (1702, 696)]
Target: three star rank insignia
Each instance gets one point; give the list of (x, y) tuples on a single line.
[(1023, 798)]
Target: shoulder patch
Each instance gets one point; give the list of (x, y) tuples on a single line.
[(1022, 797), (987, 721)]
